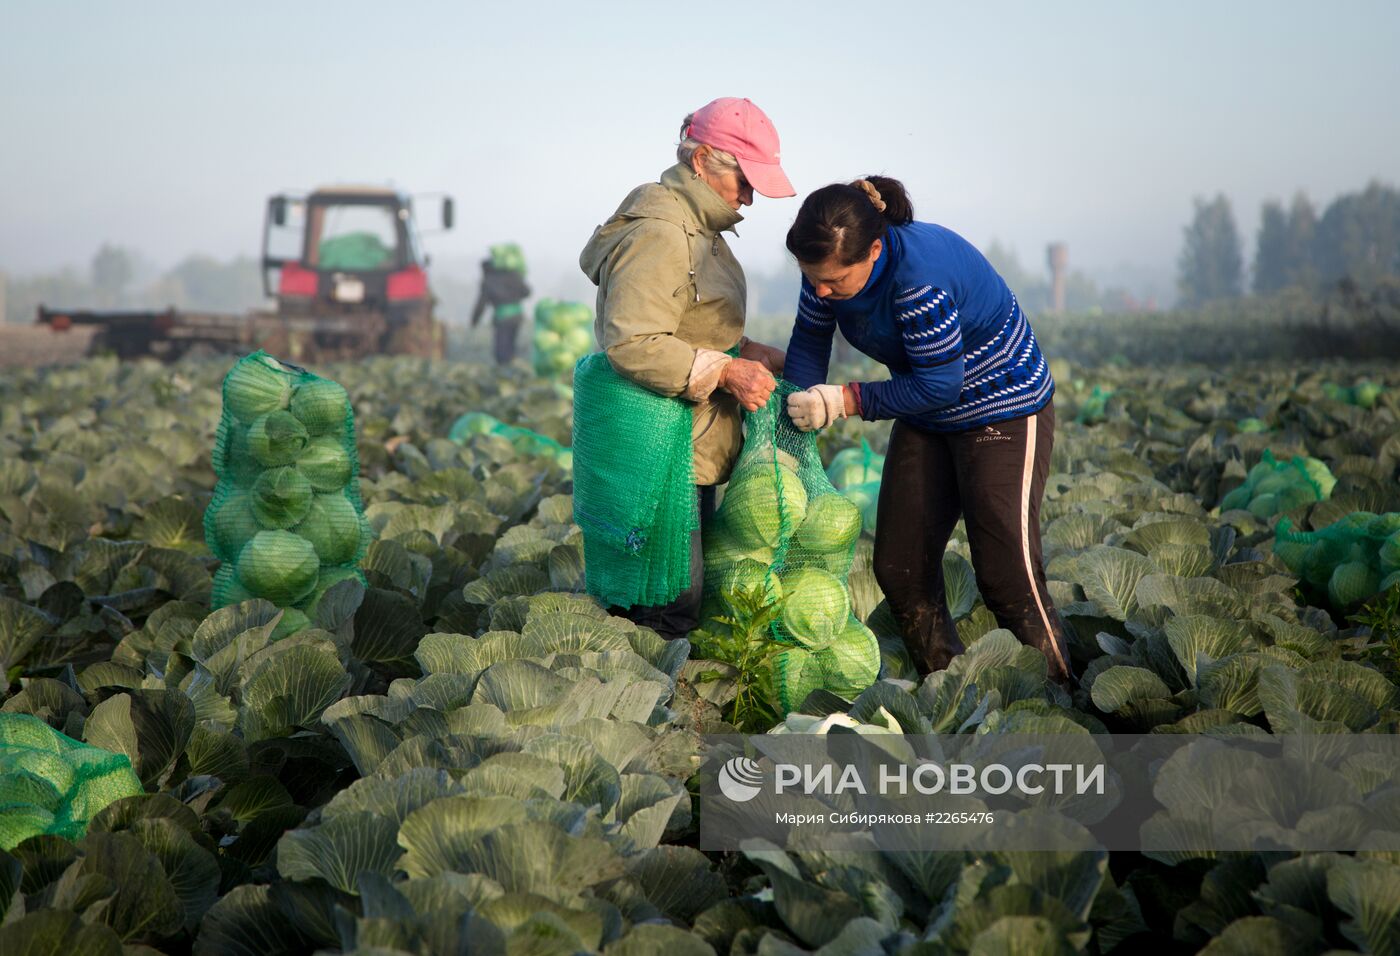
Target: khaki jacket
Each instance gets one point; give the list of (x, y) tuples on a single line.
[(671, 296)]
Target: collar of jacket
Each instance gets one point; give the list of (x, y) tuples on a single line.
[(711, 213)]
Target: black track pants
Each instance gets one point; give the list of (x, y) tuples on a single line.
[(994, 478)]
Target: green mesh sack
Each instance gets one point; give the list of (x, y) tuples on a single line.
[(1094, 408), (855, 466), (634, 487), (508, 256), (286, 514), (1346, 562), (783, 526), (563, 334), (355, 252), (856, 473), (1363, 394), (52, 784), (1273, 487)]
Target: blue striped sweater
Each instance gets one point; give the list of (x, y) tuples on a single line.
[(960, 351)]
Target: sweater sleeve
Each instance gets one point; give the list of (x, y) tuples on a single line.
[(928, 324), (809, 349)]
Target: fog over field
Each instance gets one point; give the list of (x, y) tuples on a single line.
[(163, 130)]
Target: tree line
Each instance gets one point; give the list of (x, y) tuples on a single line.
[(1356, 240)]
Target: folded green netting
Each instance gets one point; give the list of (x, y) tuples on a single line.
[(286, 519), (1094, 408), (525, 440), (783, 530), (634, 487), (1273, 487), (52, 784), (1350, 560)]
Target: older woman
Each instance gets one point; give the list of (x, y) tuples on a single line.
[(671, 305)]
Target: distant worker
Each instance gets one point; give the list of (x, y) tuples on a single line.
[(503, 287)]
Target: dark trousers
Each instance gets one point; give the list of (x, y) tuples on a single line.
[(681, 616), (506, 331), (994, 478)]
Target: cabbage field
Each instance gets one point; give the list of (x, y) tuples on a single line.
[(468, 755)]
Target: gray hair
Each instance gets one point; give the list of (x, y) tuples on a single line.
[(716, 162)]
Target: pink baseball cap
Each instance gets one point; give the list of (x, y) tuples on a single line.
[(737, 126)]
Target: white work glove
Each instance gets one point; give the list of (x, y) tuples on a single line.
[(817, 407)]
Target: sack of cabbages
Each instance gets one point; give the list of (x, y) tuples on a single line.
[(286, 520)]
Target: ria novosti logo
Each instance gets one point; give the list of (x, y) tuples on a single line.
[(740, 779)]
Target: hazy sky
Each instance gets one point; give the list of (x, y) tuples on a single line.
[(163, 126)]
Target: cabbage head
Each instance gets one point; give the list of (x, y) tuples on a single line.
[(1390, 552), (233, 524), (851, 662), (325, 464), (578, 341), (232, 457), (796, 672), (1292, 553), (1384, 525), (1352, 583), (281, 497), (1272, 484), (754, 502), (276, 438), (817, 605), (831, 527), (748, 575), (278, 566), (1296, 495), (1321, 560), (255, 386), (321, 405), (723, 552), (334, 528), (291, 622), (849, 468), (866, 498), (1237, 499), (566, 316), (1264, 505), (1366, 393), (1319, 472)]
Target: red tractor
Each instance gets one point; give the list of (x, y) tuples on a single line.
[(348, 259)]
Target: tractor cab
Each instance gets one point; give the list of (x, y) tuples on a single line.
[(345, 249)]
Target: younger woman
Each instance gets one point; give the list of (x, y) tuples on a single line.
[(969, 392)]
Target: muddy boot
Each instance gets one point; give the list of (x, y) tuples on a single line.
[(931, 640)]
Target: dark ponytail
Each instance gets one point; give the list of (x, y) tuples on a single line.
[(843, 220)]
